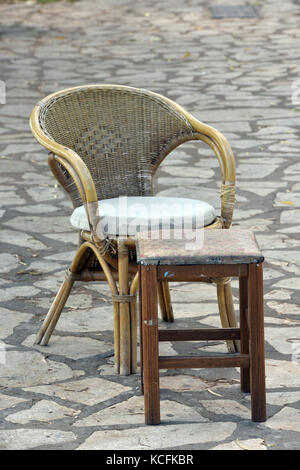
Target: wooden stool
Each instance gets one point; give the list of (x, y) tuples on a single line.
[(223, 253)]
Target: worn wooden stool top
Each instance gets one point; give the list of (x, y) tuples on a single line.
[(233, 246), (212, 254)]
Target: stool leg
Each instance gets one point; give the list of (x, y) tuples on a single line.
[(150, 344), (244, 331), (256, 326)]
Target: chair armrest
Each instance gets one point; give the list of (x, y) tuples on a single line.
[(74, 165), (69, 155), (220, 145)]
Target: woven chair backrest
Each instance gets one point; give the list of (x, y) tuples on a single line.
[(121, 134)]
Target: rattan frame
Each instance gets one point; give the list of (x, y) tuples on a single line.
[(98, 259)]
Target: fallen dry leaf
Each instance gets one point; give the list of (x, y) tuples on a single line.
[(289, 203), (214, 393)]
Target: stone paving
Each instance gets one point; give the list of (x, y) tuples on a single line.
[(234, 74)]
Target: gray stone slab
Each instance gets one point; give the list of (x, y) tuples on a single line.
[(38, 370), (9, 319), (72, 347), (43, 411), (88, 391), (233, 11), (23, 439), (287, 419), (158, 437), (8, 401), (131, 412)]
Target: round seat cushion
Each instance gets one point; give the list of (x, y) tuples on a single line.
[(126, 216)]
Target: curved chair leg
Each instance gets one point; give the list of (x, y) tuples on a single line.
[(165, 301), (125, 329), (163, 310), (117, 336), (133, 322), (230, 311), (226, 310), (53, 315)]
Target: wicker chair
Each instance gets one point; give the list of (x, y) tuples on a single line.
[(107, 141)]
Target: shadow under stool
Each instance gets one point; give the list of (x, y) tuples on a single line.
[(223, 253)]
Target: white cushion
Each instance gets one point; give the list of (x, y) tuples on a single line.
[(128, 215)]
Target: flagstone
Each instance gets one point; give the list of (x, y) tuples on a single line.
[(184, 383), (80, 321), (29, 368), (226, 407), (43, 410), (72, 347), (285, 308), (8, 262), (282, 338), (158, 437), (283, 398), (39, 224), (288, 198), (281, 255), (280, 321), (271, 273), (245, 214), (279, 294), (14, 237), (276, 241), (193, 292), (132, 412), (23, 439), (9, 319), (11, 198), (290, 283), (292, 229), (75, 301), (11, 167), (18, 292), (65, 256), (8, 401), (287, 419), (255, 224), (36, 208), (50, 282), (292, 169), (243, 444), (191, 310), (262, 188), (70, 238), (194, 171), (250, 171), (282, 374), (88, 391)]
